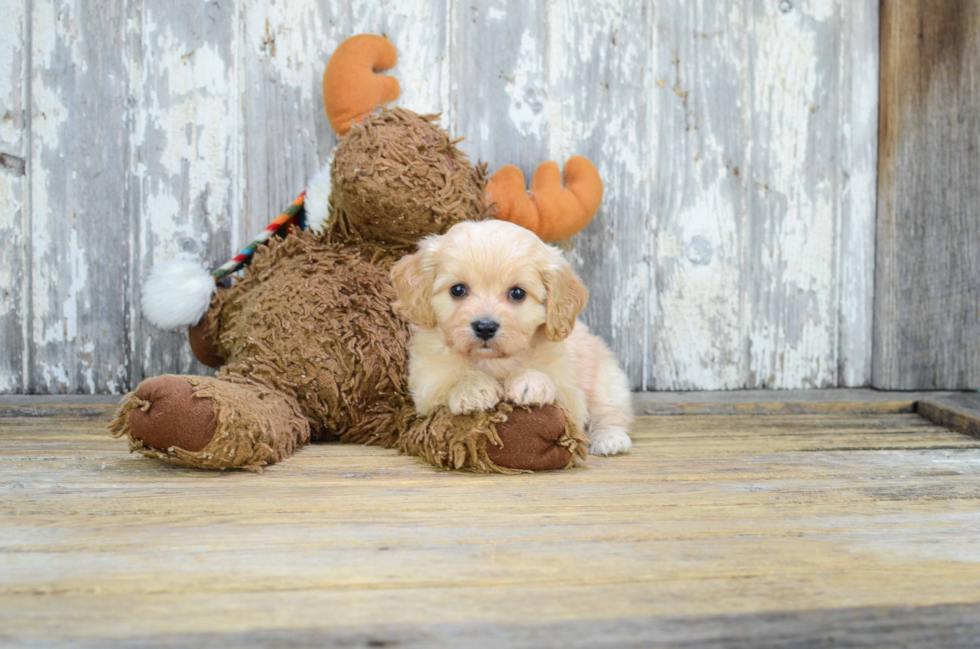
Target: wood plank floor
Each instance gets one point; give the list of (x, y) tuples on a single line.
[(714, 531)]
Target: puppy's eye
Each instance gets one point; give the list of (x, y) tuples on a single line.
[(517, 294), (459, 290)]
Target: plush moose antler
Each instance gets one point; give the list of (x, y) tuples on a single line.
[(352, 89), (351, 86), (552, 211)]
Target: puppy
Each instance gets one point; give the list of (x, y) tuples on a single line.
[(495, 310)]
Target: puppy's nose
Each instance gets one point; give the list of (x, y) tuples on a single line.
[(485, 329)]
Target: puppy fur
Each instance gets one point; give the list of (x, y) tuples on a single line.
[(539, 353)]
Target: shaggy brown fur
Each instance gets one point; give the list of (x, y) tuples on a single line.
[(397, 177), (314, 321), (477, 442), (312, 347), (254, 426)]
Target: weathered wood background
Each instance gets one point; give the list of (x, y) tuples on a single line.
[(927, 302), (738, 142)]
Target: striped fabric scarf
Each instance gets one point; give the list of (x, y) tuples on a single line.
[(294, 215)]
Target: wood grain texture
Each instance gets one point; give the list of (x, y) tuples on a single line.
[(499, 82), (80, 163), (286, 48), (858, 188), (744, 402), (927, 300), (187, 185), (771, 519), (600, 87), (786, 402), (14, 236), (957, 411), (285, 51), (604, 110), (734, 248), (909, 627), (755, 143)]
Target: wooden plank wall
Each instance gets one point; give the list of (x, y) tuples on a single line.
[(13, 196), (734, 249), (927, 307), (761, 234)]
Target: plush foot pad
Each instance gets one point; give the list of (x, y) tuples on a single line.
[(169, 415), (207, 423), (505, 440), (533, 439)]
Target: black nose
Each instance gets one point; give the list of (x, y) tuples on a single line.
[(485, 329)]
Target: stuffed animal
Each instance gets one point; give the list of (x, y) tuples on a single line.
[(307, 341)]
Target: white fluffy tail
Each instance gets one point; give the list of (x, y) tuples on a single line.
[(177, 293)]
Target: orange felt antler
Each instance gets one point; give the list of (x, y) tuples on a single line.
[(351, 89), (551, 211)]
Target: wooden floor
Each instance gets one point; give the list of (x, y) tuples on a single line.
[(837, 529)]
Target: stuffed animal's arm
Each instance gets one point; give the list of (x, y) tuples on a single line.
[(203, 343)]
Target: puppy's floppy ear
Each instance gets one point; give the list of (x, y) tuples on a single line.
[(413, 285), (566, 297)]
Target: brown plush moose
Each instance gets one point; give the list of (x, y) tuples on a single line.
[(307, 341)]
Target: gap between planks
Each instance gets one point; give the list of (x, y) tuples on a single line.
[(959, 411)]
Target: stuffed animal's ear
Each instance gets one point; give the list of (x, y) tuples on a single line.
[(351, 87), (413, 285), (551, 210), (566, 298)]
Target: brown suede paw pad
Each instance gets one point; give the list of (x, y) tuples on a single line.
[(530, 440), (172, 416)]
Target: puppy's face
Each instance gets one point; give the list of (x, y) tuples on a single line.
[(489, 287)]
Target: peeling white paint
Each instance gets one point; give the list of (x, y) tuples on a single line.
[(13, 62), (735, 243), (67, 329), (797, 346), (421, 52), (820, 10), (10, 231), (858, 191), (188, 97), (55, 25), (54, 319), (696, 346), (56, 375), (527, 98), (753, 178), (11, 284), (11, 73), (593, 65)]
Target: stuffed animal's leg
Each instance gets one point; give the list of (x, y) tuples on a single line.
[(507, 439), (208, 423)]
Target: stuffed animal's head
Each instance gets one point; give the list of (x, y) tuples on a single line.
[(398, 177)]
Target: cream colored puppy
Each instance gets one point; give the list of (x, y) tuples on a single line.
[(495, 310)]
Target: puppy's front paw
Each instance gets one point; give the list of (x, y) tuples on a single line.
[(475, 394), (610, 441), (531, 388)]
